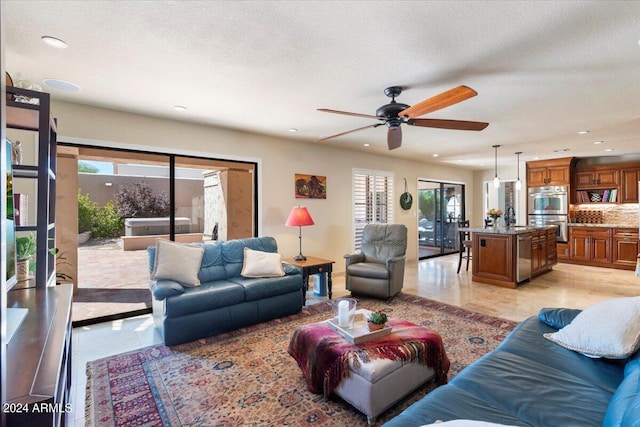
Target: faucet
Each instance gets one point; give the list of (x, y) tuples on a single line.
[(510, 216)]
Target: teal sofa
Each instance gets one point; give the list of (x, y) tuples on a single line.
[(225, 300), (530, 381)]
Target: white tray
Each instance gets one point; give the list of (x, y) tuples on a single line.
[(360, 332)]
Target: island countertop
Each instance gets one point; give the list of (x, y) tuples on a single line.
[(514, 229), (507, 256)]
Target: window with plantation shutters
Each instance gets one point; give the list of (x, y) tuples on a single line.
[(372, 200)]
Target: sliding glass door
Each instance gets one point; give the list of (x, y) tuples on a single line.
[(128, 199), (440, 207)]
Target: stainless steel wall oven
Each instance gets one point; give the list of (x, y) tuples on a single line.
[(548, 201)]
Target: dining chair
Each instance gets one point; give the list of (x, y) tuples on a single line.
[(465, 244)]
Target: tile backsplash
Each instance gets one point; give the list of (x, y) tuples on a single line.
[(625, 214)]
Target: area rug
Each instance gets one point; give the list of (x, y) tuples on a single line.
[(246, 377)]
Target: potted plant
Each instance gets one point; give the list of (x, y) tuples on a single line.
[(61, 261), (25, 249), (376, 320)]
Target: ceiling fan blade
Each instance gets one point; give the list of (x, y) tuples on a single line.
[(346, 113), (349, 131), (448, 124), (394, 138), (445, 99)]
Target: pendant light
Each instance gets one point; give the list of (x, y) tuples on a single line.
[(496, 180), (518, 182)]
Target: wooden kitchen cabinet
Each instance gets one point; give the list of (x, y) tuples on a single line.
[(625, 247), (613, 183), (544, 252), (590, 245), (629, 178), (541, 173), (562, 251), (596, 178), (603, 246), (493, 258), (538, 253), (552, 248)]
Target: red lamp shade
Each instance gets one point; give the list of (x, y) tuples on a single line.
[(299, 216)]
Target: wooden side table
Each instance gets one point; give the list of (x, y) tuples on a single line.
[(313, 265)]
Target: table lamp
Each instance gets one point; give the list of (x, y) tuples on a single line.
[(298, 217)]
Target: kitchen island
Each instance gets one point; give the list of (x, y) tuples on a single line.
[(507, 256)]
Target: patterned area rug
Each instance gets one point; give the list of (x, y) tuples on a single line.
[(246, 377)]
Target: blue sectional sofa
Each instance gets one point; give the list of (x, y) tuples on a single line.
[(224, 300), (531, 381)]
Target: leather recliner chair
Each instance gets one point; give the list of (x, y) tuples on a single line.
[(378, 270)]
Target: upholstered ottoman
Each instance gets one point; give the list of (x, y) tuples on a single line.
[(375, 386), (374, 375)]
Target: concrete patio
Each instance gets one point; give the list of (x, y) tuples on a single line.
[(110, 280)]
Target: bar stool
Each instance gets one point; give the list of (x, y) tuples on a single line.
[(465, 244)]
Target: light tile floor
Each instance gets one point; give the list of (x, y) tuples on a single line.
[(566, 286)]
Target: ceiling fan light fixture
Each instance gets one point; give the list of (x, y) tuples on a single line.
[(395, 114), (496, 180)]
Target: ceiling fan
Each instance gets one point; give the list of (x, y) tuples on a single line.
[(395, 114)]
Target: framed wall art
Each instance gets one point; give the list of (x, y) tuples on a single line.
[(310, 186)]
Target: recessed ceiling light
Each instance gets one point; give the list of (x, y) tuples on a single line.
[(608, 149), (366, 144), (583, 132), (180, 108), (293, 130), (54, 42), (435, 155), (597, 142), (61, 85)]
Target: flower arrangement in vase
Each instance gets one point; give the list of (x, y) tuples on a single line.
[(494, 214), (376, 320)]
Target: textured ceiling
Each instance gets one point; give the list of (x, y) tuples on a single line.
[(542, 70)]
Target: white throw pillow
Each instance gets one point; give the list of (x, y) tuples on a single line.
[(261, 264), (464, 423), (177, 262), (608, 329)]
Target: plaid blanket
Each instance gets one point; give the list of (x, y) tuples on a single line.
[(324, 356)]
